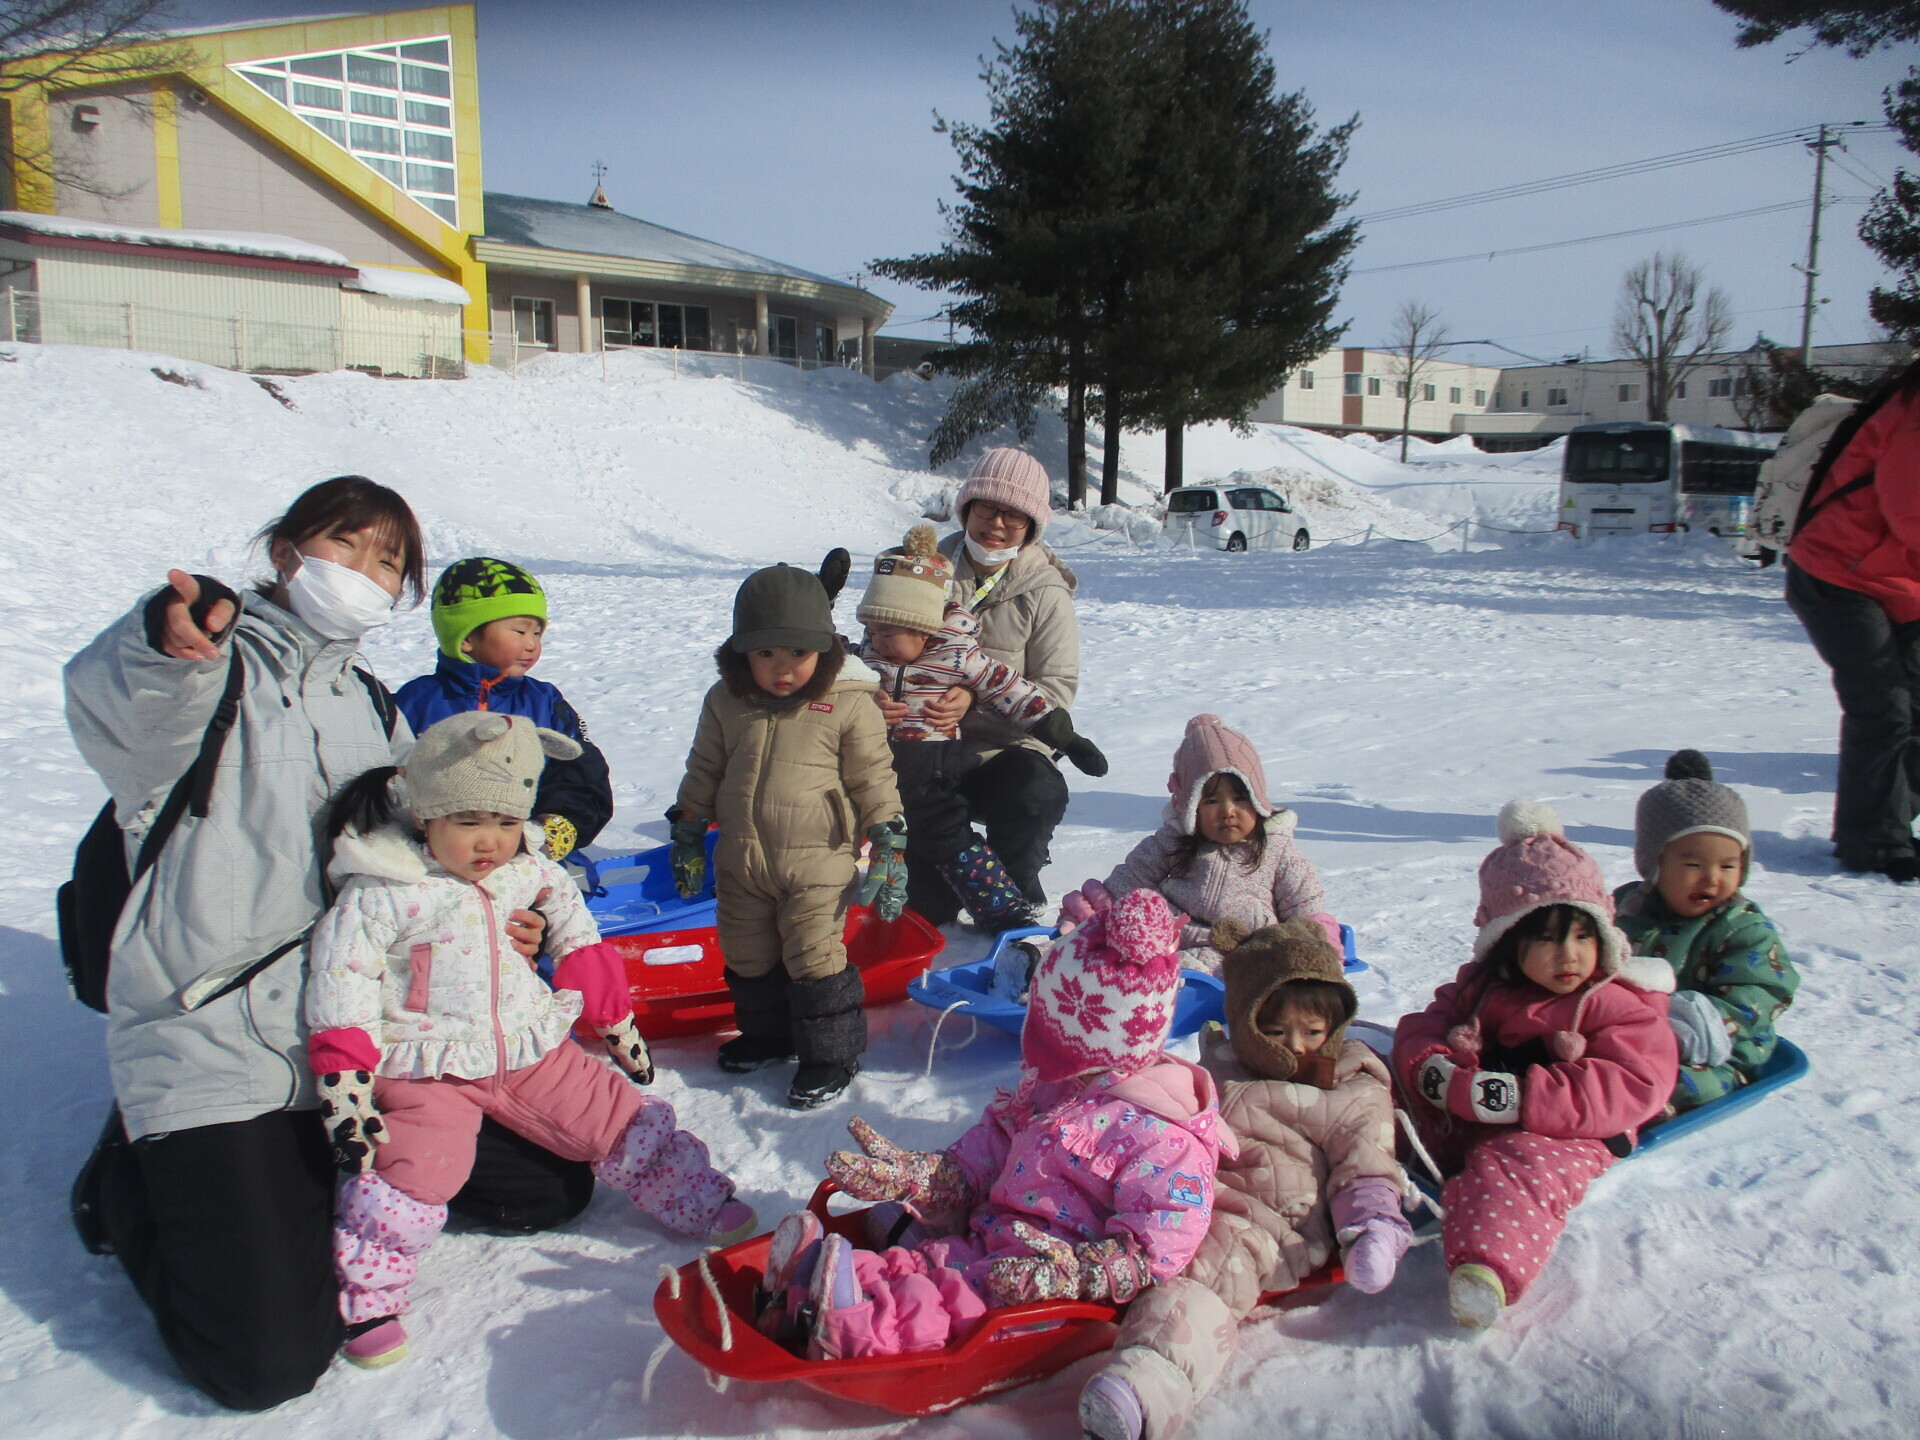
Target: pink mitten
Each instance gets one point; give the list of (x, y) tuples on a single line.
[(1080, 906), (927, 1180), (1332, 926), (600, 975), (1051, 1272)]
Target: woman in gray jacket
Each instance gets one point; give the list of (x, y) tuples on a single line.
[(213, 1182), (1023, 597)]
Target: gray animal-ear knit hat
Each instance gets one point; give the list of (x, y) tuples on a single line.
[(1687, 802), (483, 762)]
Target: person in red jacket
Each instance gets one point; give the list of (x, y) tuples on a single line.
[(1853, 578), (1535, 1068)]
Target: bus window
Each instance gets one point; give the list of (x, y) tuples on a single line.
[(1618, 459), (1707, 469)]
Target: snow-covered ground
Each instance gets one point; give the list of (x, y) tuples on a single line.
[(1756, 1281)]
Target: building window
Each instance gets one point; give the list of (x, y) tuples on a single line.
[(1556, 396), (532, 321), (824, 346), (1306, 379), (1399, 389), (783, 337), (1629, 392), (1427, 392), (1526, 398), (1350, 384), (1740, 386), (626, 322), (1453, 394), (1680, 390), (1721, 389), (1373, 385), (364, 82), (1480, 399)]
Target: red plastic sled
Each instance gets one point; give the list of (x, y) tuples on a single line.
[(678, 977), (1013, 1346)]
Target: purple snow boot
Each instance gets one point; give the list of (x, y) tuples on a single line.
[(1110, 1410), (1373, 1232)]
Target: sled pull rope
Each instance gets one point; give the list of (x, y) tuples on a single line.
[(660, 1352), (933, 1042), (719, 1305), (1420, 1151)]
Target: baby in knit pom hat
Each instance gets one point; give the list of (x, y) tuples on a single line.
[(921, 645), (1533, 1069), (425, 1020), (1223, 850), (1693, 847), (1092, 1180)]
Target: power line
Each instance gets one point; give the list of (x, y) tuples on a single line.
[(1613, 172), (1610, 235)]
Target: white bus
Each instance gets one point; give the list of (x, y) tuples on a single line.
[(1638, 477)]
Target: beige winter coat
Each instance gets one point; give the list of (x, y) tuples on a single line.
[(1299, 1144), (1026, 621), (795, 784)]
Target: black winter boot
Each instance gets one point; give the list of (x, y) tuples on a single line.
[(764, 1021), (988, 891), (829, 1036), (90, 1185)]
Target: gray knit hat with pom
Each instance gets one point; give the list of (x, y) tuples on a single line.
[(1687, 802)]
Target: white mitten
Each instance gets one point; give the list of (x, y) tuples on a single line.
[(629, 1051), (1700, 1028), (353, 1123), (1491, 1097)]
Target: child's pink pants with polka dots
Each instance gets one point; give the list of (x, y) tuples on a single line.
[(1509, 1203)]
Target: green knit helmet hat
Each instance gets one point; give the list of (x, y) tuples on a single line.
[(470, 593)]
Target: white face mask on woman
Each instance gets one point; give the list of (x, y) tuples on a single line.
[(335, 601), (983, 556)]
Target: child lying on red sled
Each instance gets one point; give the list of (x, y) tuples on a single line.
[(1093, 1179)]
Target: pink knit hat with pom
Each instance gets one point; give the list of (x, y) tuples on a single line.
[(1208, 748), (1102, 998), (1013, 480), (1536, 866)]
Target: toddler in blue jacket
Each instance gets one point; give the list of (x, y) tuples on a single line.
[(490, 617)]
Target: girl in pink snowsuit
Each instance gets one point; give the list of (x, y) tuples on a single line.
[(1092, 1179), (424, 1020), (1534, 1069)]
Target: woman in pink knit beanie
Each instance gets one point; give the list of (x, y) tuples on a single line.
[(1022, 595), (1534, 1069)]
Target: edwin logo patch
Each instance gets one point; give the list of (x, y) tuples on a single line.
[(822, 706)]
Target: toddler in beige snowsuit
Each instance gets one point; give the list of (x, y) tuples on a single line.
[(791, 759), (1315, 1179)]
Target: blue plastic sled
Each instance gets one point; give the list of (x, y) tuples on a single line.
[(1202, 996), (1786, 1065), (634, 894)]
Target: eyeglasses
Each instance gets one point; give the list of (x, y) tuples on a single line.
[(988, 514)]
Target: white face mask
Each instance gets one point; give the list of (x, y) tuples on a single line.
[(983, 556), (335, 601)]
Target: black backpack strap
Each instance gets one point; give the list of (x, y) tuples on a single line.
[(192, 793), (383, 702), (1842, 437)]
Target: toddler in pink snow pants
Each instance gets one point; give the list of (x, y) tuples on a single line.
[(425, 1020), (1533, 1070)]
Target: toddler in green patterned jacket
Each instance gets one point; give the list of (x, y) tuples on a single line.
[(1692, 846)]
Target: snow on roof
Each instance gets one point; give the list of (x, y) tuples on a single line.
[(230, 242), (591, 230), (407, 285)]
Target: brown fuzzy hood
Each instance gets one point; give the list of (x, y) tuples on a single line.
[(1253, 967), (737, 675)]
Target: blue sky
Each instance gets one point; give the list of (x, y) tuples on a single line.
[(803, 130)]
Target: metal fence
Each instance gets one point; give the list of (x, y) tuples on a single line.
[(421, 348)]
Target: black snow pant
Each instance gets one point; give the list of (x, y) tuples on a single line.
[(938, 817), (227, 1233), (1019, 796), (1876, 675)]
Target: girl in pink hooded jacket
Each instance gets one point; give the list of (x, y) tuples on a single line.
[(1223, 852), (1534, 1069), (1093, 1179)]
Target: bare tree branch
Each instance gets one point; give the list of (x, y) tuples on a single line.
[(1416, 341), (1666, 323)]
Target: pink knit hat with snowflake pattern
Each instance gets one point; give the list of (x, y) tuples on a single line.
[(1208, 748), (1013, 480), (1102, 998)]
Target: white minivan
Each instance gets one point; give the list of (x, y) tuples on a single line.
[(1233, 517)]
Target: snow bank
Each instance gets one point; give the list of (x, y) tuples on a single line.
[(1756, 1280)]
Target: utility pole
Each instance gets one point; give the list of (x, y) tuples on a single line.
[(1812, 268)]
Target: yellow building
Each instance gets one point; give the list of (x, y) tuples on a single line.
[(307, 194)]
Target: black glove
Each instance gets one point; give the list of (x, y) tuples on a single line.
[(1055, 730)]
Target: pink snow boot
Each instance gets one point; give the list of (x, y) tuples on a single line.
[(375, 1343), (665, 1171)]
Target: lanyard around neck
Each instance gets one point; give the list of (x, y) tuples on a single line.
[(985, 587)]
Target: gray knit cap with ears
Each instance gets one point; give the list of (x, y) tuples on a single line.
[(1687, 802), (482, 762)]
